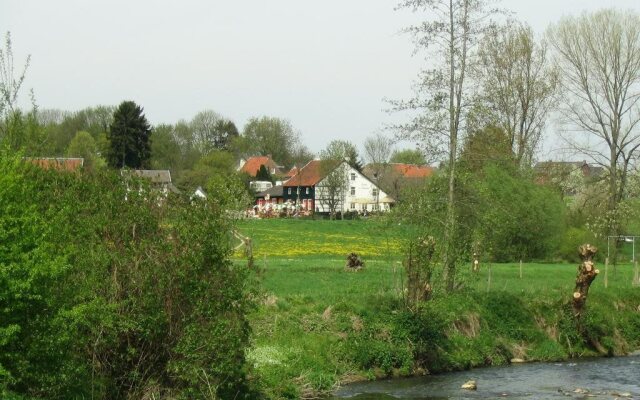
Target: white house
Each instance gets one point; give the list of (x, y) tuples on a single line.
[(321, 187)]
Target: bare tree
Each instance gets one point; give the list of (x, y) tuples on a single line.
[(449, 33), (517, 85), (331, 190), (10, 82), (599, 55), (377, 151)]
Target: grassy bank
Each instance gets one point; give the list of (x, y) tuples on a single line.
[(319, 325)]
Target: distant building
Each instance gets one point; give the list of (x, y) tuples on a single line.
[(159, 179), (57, 163), (251, 166), (396, 178), (308, 189)]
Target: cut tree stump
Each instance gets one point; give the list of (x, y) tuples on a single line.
[(587, 272), (354, 262)]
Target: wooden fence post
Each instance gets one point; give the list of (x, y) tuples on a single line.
[(520, 269), (606, 272), (636, 274), (489, 279)]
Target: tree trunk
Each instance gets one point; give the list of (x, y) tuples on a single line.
[(449, 229), (587, 272)]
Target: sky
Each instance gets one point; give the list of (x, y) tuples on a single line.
[(325, 66)]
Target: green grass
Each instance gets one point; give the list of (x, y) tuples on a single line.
[(318, 325)]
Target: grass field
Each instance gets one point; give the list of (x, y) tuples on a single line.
[(319, 325)]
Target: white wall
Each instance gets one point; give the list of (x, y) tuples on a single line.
[(363, 192)]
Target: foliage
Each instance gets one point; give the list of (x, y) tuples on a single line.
[(110, 293), (518, 86), (83, 145), (211, 131), (517, 219), (342, 150), (60, 127), (216, 163), (450, 31), (275, 137), (263, 174), (10, 82), (129, 136), (599, 55), (408, 156), (419, 265)]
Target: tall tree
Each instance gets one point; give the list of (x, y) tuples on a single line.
[(129, 136), (599, 55), (10, 80), (517, 85), (212, 131), (377, 150), (19, 130), (449, 33), (343, 150), (83, 145), (274, 136)]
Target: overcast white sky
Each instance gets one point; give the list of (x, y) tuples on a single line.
[(325, 66)]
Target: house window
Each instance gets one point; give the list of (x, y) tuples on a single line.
[(289, 191), (374, 192), (297, 190), (353, 206), (353, 190), (307, 191), (353, 176)]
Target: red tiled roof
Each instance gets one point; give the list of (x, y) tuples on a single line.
[(413, 171), (292, 172), (252, 165), (59, 164), (309, 175)]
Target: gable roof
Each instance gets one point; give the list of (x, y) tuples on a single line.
[(292, 172), (412, 170), (252, 165), (400, 170), (159, 176), (57, 163), (309, 175)]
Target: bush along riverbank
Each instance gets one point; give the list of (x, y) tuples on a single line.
[(305, 348)]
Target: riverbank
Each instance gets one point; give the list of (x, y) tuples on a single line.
[(319, 326)]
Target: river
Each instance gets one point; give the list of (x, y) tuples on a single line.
[(605, 378)]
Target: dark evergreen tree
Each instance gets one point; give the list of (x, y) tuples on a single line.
[(129, 137), (263, 174)]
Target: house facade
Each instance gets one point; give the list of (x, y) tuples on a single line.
[(324, 188)]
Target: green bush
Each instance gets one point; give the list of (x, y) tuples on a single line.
[(112, 292)]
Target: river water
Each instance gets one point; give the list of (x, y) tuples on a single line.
[(604, 378)]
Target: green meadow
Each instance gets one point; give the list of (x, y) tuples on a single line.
[(319, 326)]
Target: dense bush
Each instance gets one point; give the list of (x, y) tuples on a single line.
[(110, 292)]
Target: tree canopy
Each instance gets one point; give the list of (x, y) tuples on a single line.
[(129, 135)]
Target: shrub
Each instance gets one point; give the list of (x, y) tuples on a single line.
[(113, 293)]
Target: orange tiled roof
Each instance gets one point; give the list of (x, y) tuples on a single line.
[(292, 172), (252, 165), (412, 170), (309, 175), (59, 164)]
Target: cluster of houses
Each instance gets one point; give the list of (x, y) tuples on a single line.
[(313, 188)]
